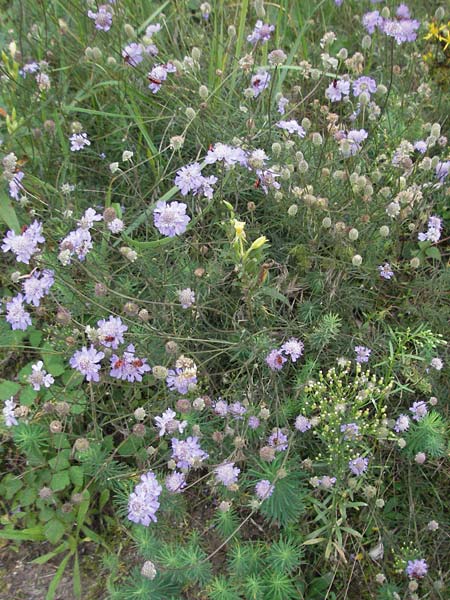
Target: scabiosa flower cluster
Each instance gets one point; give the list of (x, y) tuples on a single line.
[(267, 180), (292, 127), (78, 141), (401, 424), (353, 139), (8, 413), (24, 245), (337, 90), (259, 82), (16, 315), (175, 482), (184, 377), (88, 219), (167, 423), (110, 332), (433, 234), (37, 286), (364, 84), (86, 362), (402, 28), (143, 502), (418, 410), (133, 54), (385, 271), (282, 103), (39, 377), (188, 453), (302, 423), (358, 465), (227, 474), (278, 440), (293, 349), (261, 33), (350, 431), (326, 482), (229, 155), (116, 226), (186, 298), (170, 219), (362, 354), (416, 569), (128, 367), (77, 243), (102, 18), (158, 75), (275, 360), (264, 489)]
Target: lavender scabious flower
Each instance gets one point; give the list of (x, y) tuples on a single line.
[(187, 453), (416, 569), (175, 482), (293, 348), (227, 474), (102, 18), (89, 218), (419, 410), (402, 28), (337, 90), (372, 20), (182, 380), (364, 84), (78, 243), (385, 271), (267, 179), (264, 489), (86, 362), (16, 315), (302, 424), (350, 431), (326, 482), (186, 298), (278, 440), (143, 502), (221, 408), (261, 33), (434, 230), (110, 332), (358, 465), (37, 286), (189, 178), (356, 137), (282, 103), (237, 409), (292, 127), (401, 424), (253, 422), (171, 219), (15, 186), (39, 377), (259, 82), (362, 354), (128, 367), (24, 245), (228, 155), (442, 170), (158, 75), (116, 226), (420, 146), (133, 54), (8, 413), (78, 141), (167, 423), (275, 360)]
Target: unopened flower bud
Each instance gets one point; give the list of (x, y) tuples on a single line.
[(203, 92), (342, 54), (414, 262), (366, 42), (357, 260), (183, 405), (353, 234), (81, 445), (326, 223), (384, 231), (420, 458), (190, 113), (56, 426), (292, 210), (148, 570), (160, 372), (140, 414), (143, 315), (139, 430)]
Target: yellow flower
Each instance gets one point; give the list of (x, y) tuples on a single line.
[(239, 229), (433, 31)]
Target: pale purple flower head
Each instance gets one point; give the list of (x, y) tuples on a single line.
[(292, 127), (116, 226), (259, 82), (110, 332), (401, 424), (350, 431), (16, 315), (275, 360), (8, 413), (128, 367), (267, 179), (386, 271), (102, 18), (175, 482), (171, 219), (158, 75), (356, 137), (364, 84), (187, 453), (326, 482), (167, 423), (416, 569), (437, 363), (253, 422), (278, 440), (433, 234), (418, 410), (302, 423), (86, 362), (293, 348), (337, 90), (362, 354), (78, 141), (227, 473), (186, 298), (229, 155), (152, 29), (24, 245), (39, 377), (402, 28), (77, 242), (237, 410), (133, 54), (89, 218), (221, 408), (143, 502), (15, 186), (181, 380), (372, 20), (420, 146), (37, 286), (264, 489), (261, 33), (358, 465), (442, 170), (189, 178), (282, 103)]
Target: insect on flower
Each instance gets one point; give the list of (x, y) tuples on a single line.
[(154, 80)]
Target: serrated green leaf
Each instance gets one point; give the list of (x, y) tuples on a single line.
[(54, 530), (76, 475), (60, 480), (8, 389)]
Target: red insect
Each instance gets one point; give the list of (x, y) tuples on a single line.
[(257, 184), (110, 338), (154, 80)]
